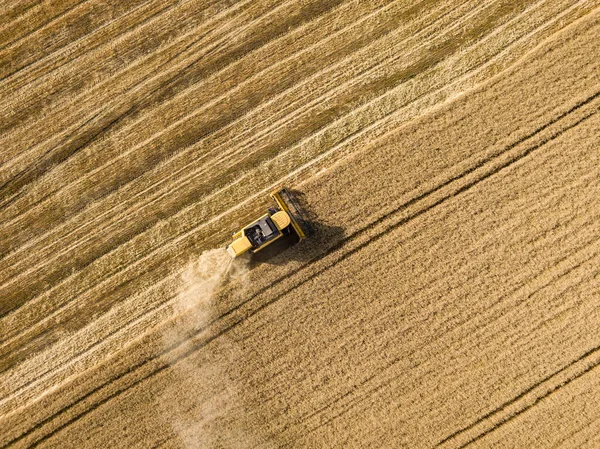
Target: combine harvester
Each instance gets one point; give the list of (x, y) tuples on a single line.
[(282, 220)]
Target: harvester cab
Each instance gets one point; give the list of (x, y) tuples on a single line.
[(282, 220)]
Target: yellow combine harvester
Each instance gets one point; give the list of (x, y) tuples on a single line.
[(280, 221)]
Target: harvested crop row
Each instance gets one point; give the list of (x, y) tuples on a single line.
[(39, 279), (566, 155), (279, 325), (101, 326), (446, 300)]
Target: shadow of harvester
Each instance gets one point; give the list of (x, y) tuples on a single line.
[(322, 237)]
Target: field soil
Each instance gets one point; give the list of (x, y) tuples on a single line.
[(446, 155)]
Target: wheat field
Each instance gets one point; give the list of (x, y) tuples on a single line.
[(447, 154)]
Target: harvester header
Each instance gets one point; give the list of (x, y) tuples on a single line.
[(279, 221)]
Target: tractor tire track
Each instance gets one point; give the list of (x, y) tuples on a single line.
[(360, 235)]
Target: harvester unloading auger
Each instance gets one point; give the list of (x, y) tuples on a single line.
[(282, 220)]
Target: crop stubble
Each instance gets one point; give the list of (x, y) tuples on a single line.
[(449, 153)]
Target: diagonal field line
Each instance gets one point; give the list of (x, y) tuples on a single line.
[(299, 28), (138, 86), (212, 76), (495, 166), (62, 51), (588, 368), (226, 212), (23, 12), (355, 402), (513, 292), (160, 282), (352, 137), (186, 180), (263, 306), (460, 191), (44, 25)]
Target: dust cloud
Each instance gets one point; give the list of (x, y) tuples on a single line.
[(202, 401), (202, 278)]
